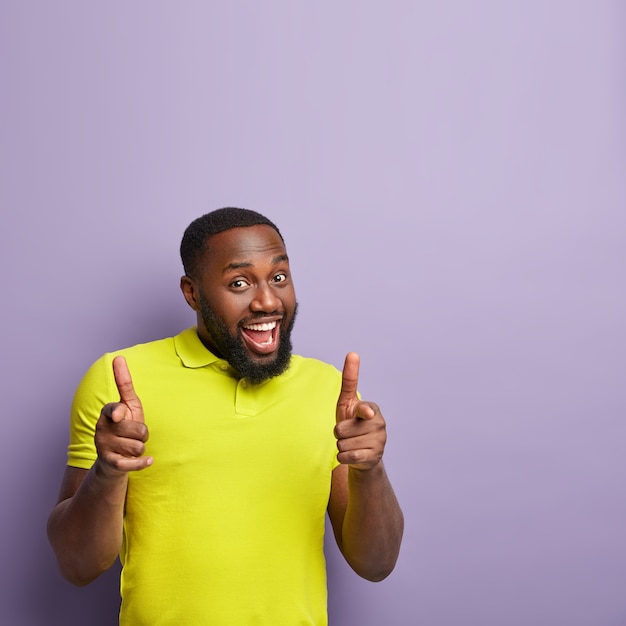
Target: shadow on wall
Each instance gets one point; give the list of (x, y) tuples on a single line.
[(37, 594), (46, 598)]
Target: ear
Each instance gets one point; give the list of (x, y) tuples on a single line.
[(190, 291)]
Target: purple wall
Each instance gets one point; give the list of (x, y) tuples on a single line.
[(451, 181)]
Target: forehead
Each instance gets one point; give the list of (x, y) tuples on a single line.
[(242, 245)]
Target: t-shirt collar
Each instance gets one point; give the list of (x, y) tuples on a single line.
[(192, 352)]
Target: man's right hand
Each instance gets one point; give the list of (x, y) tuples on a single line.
[(121, 433)]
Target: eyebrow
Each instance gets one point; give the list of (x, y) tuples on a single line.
[(244, 264)]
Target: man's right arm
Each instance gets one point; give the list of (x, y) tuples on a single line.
[(86, 525)]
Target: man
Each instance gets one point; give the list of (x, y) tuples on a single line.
[(218, 516)]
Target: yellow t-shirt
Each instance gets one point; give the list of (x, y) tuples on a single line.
[(226, 527)]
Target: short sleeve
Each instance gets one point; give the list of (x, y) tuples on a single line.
[(96, 389)]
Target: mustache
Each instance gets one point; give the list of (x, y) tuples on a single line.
[(261, 316)]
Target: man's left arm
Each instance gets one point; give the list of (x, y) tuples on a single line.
[(365, 515)]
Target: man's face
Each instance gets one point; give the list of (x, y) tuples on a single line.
[(246, 302)]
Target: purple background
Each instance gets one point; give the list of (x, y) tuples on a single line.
[(450, 180)]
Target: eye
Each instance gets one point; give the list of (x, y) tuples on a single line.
[(240, 283), (280, 278)]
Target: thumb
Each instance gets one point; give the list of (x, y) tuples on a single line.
[(124, 384)]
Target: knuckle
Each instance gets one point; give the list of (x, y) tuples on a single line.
[(358, 456), (137, 449), (112, 460), (145, 434)]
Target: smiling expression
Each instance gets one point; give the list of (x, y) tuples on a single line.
[(245, 301)]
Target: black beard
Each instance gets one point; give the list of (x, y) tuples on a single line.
[(232, 349)]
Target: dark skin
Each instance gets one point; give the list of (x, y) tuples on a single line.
[(247, 280)]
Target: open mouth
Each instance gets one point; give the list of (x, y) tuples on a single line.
[(261, 338)]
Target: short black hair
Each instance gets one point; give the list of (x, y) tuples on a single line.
[(196, 235)]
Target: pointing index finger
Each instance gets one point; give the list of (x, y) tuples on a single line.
[(124, 384), (349, 385)]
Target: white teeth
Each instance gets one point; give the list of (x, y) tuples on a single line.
[(265, 326)]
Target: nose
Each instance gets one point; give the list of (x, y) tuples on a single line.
[(265, 299)]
